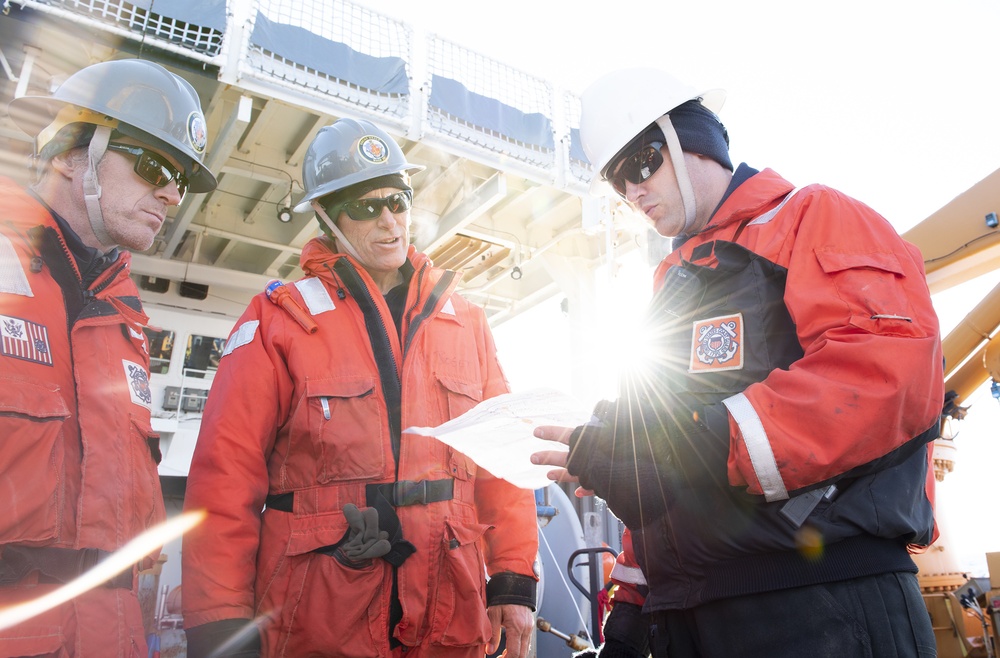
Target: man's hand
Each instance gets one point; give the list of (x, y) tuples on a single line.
[(518, 622), (557, 457)]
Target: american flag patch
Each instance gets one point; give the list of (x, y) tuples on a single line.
[(25, 340)]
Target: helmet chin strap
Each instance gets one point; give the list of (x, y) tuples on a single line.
[(337, 233), (680, 171), (92, 188)]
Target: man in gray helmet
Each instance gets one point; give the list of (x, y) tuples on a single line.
[(117, 145), (371, 542), (771, 457)]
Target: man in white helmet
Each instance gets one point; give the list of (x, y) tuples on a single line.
[(372, 542), (771, 460), (117, 145)]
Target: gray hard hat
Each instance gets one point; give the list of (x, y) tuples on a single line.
[(138, 98), (348, 152)]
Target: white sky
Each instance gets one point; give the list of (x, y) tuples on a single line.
[(890, 101)]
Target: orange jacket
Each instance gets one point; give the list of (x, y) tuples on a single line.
[(858, 295), (307, 413), (76, 458)]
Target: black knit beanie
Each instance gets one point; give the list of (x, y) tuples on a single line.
[(698, 131)]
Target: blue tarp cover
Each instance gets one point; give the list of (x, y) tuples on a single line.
[(453, 98), (207, 13), (385, 75), (576, 146)]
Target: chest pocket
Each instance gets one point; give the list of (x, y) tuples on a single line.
[(338, 432), (32, 459)]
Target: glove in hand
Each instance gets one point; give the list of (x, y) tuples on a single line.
[(363, 541)]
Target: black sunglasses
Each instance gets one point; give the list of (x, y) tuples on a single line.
[(637, 167), (153, 167), (361, 210)]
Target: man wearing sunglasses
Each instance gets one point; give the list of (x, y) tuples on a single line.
[(771, 459), (372, 542), (117, 145)]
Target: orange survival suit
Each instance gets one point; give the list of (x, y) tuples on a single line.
[(78, 457), (305, 423)]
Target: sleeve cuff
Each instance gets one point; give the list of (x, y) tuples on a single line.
[(511, 588)]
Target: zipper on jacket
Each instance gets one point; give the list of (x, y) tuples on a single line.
[(62, 268), (385, 360), (439, 289)]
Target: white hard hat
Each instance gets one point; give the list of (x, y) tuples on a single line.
[(620, 105)]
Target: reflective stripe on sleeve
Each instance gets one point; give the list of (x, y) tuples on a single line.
[(241, 336), (758, 447)]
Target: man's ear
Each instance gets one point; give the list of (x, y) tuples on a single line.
[(66, 163)]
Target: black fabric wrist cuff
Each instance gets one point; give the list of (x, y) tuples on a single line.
[(511, 588)]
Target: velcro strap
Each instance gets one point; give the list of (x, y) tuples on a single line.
[(408, 492)]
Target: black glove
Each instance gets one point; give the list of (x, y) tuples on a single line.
[(613, 458), (226, 638), (363, 541), (636, 456)]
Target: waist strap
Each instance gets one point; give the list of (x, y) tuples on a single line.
[(397, 494), (385, 498), (408, 492), (55, 565)]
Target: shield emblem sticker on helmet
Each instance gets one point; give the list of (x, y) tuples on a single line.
[(197, 132), (373, 149)]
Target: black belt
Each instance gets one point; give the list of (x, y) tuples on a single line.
[(408, 492), (385, 498), (399, 494), (55, 565)]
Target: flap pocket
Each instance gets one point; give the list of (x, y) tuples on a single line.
[(336, 433), (460, 532), (340, 387), (32, 399), (460, 395), (837, 261), (472, 390), (311, 532)]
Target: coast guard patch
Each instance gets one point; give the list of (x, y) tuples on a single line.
[(717, 344), (138, 383), (25, 340)]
